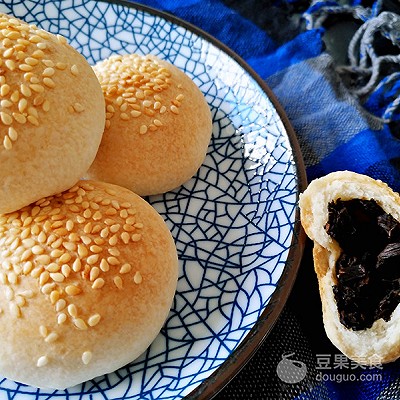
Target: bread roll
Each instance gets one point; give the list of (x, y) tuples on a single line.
[(158, 125), (51, 114), (87, 279), (380, 342)]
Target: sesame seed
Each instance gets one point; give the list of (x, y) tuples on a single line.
[(135, 113), (136, 237), (98, 283), (48, 72), (47, 63), (77, 265), (20, 300), (61, 318), (42, 331), (43, 259), (15, 310), (86, 240), (113, 240), (66, 257), (31, 61), (37, 88), (95, 249), (69, 225), (49, 83), (42, 361), (72, 310), (97, 216), (74, 70), (137, 278), (25, 67), (33, 120), (94, 319), (114, 252), (6, 119), (38, 54), (78, 107), (37, 249), (60, 305), (92, 259), (35, 39), (9, 292), (5, 89), (7, 143), (143, 129), (27, 268), (118, 282), (146, 103), (86, 357), (57, 277), (6, 103), (61, 39), (61, 66), (15, 96), (174, 109), (80, 324), (20, 118), (104, 265), (10, 64), (22, 104), (94, 273), (73, 290), (51, 337), (46, 106), (126, 268)]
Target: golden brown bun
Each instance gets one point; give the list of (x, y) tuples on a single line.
[(87, 279), (51, 114), (158, 125), (380, 343)]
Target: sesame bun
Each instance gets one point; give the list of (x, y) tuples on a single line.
[(51, 114), (158, 125), (87, 279), (379, 343)]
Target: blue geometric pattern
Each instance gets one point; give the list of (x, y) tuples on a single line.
[(233, 223)]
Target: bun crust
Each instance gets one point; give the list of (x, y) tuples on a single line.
[(380, 343), (51, 114), (87, 279), (158, 125)]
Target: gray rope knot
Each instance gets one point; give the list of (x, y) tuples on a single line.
[(373, 71)]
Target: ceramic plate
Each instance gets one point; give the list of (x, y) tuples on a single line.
[(235, 223)]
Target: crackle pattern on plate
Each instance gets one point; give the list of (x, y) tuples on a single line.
[(232, 223)]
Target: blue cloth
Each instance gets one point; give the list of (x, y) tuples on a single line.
[(345, 116)]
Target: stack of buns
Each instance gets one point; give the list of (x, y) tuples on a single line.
[(88, 269)]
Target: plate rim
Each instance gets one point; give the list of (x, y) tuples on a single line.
[(253, 340), (256, 336)]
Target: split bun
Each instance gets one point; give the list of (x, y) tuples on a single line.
[(380, 342), (158, 125), (87, 281), (51, 114)]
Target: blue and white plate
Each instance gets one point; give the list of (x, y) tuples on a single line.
[(235, 223)]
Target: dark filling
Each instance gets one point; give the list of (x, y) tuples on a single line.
[(368, 270)]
